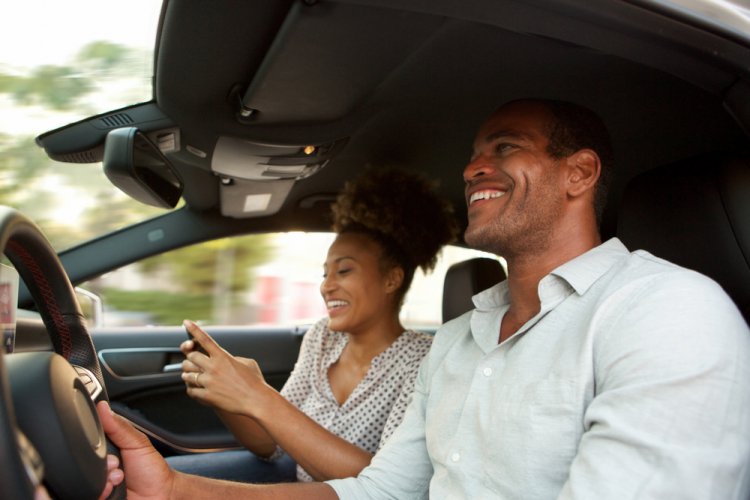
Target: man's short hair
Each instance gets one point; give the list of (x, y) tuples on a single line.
[(575, 127)]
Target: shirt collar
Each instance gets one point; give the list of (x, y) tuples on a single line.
[(580, 273), (584, 270), (574, 276)]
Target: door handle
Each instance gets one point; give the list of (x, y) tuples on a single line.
[(172, 367)]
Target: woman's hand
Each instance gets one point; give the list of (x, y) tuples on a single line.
[(220, 380)]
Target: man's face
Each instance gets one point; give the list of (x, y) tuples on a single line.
[(513, 187)]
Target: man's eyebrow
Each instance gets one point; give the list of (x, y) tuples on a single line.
[(514, 134), (510, 134)]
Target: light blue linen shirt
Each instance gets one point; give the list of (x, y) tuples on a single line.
[(632, 382)]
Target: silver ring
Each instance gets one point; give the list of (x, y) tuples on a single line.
[(197, 374)]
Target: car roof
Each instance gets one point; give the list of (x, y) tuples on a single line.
[(241, 85)]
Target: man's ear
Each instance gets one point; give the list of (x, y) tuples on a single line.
[(393, 279), (583, 171)]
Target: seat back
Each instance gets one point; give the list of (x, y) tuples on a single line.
[(696, 214), (464, 280)]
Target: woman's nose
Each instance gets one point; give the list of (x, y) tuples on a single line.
[(327, 285)]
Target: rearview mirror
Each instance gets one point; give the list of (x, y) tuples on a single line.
[(136, 166)]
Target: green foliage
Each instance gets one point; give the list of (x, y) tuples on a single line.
[(38, 186), (224, 263), (57, 87), (203, 282), (61, 88), (113, 212), (20, 162), (8, 83), (103, 55), (165, 308)]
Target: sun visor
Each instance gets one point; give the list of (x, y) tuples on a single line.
[(241, 199)]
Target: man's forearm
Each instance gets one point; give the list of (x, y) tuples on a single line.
[(187, 486)]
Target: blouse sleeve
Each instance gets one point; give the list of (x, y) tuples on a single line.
[(299, 384), (420, 348)]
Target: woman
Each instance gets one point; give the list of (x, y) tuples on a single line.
[(356, 368)]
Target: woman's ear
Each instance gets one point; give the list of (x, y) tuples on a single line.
[(394, 278), (584, 169)]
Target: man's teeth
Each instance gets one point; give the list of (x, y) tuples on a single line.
[(485, 195), (336, 303)]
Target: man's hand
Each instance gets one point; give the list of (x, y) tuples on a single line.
[(147, 473)]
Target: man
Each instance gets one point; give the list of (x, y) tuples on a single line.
[(591, 372)]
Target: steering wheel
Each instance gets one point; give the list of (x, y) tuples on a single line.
[(49, 428)]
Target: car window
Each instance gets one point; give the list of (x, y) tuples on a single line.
[(268, 279)]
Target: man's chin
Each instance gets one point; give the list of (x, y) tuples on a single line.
[(480, 238)]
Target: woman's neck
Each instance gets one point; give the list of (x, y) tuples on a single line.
[(364, 345)]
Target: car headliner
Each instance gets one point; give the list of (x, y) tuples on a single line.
[(406, 83)]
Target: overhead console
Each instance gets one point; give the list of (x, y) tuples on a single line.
[(299, 101), (256, 177)]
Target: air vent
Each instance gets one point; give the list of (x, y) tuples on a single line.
[(116, 121)]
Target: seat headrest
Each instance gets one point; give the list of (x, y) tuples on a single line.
[(466, 279), (696, 214)]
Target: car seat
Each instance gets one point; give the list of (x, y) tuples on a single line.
[(464, 280), (695, 213)]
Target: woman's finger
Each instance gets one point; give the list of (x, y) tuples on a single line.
[(189, 366), (193, 379), (187, 346), (202, 338)]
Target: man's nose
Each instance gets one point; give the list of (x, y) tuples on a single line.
[(477, 167)]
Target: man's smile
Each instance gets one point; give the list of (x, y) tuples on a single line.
[(485, 194)]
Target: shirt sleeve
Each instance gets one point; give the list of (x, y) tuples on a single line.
[(402, 467), (670, 415)]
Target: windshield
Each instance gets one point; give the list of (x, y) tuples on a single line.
[(61, 62)]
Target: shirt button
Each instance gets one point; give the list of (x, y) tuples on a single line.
[(456, 456), (487, 371)]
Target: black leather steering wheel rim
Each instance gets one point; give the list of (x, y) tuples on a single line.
[(43, 274)]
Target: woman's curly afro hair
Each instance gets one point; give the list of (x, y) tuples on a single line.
[(401, 211)]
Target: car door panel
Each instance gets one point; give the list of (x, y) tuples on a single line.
[(141, 369)]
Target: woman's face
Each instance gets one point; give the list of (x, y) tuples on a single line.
[(357, 294)]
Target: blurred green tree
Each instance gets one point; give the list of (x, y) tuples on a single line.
[(42, 188), (207, 281)]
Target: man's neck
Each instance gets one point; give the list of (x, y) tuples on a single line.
[(526, 271)]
